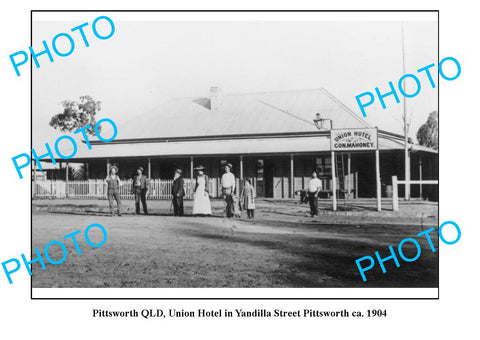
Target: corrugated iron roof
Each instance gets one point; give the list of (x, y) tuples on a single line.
[(251, 123), (250, 113)]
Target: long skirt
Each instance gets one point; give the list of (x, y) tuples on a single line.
[(201, 202)]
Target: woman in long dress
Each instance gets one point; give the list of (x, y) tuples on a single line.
[(201, 199)]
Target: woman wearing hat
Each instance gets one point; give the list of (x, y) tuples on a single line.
[(139, 189), (201, 200), (113, 190)]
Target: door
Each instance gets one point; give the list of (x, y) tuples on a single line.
[(268, 170)]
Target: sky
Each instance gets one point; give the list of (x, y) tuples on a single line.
[(150, 61)]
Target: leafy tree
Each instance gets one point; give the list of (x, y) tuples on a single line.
[(427, 134), (77, 114)]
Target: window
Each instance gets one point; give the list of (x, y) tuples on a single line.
[(323, 166)]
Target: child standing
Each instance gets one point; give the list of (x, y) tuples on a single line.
[(247, 198)]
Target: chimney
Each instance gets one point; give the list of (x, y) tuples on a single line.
[(215, 98)]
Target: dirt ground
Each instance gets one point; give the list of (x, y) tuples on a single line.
[(275, 250)]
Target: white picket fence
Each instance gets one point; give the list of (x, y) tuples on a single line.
[(158, 189)]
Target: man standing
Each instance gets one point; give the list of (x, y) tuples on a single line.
[(139, 189), (178, 192), (113, 189), (314, 187), (228, 188)]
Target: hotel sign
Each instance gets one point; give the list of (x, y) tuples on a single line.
[(354, 139)]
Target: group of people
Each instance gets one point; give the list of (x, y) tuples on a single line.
[(139, 189), (201, 196)]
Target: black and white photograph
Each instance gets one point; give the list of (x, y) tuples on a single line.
[(236, 150), (239, 170)]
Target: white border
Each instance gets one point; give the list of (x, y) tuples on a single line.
[(236, 293), (239, 16)]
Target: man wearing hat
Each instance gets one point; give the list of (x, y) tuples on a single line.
[(178, 192), (139, 189), (228, 188), (113, 189)]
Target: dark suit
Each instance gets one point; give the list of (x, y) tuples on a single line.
[(139, 189), (178, 192)]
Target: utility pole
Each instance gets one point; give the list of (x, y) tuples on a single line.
[(405, 126)]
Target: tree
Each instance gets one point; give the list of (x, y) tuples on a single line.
[(77, 115), (427, 134)]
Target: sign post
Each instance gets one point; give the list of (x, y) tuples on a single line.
[(377, 179), (361, 139), (334, 183)]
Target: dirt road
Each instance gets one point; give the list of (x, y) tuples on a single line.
[(164, 251)]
